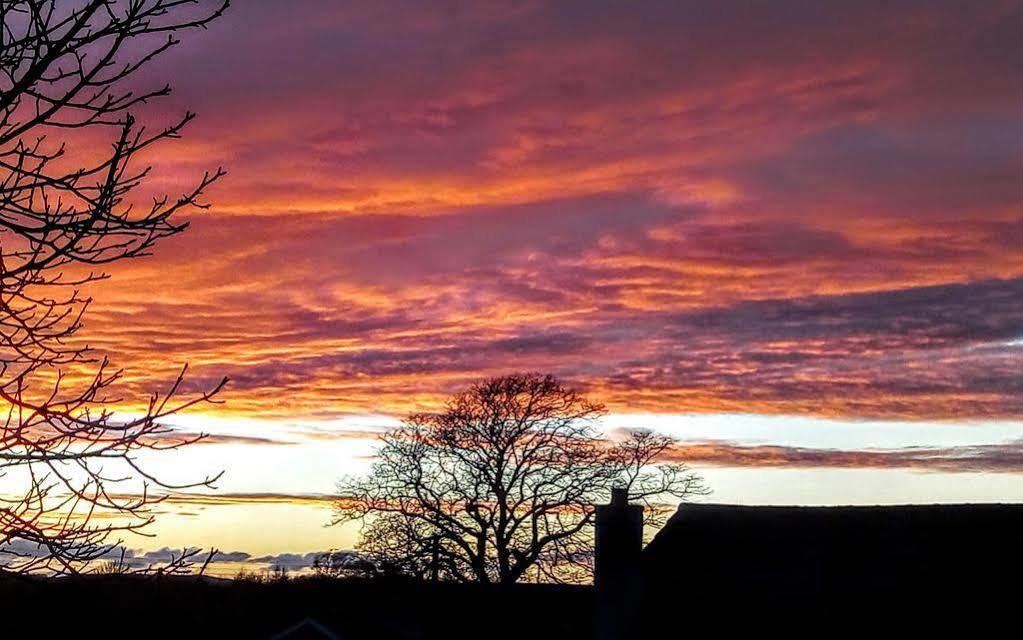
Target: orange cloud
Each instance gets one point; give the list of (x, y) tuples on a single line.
[(678, 210)]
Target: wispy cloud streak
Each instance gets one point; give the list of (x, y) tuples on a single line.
[(994, 458)]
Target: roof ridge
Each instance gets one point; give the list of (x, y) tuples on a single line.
[(928, 505)]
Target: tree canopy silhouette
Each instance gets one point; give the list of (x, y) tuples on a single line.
[(67, 206), (501, 485)]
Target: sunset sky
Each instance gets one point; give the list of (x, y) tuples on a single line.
[(790, 233)]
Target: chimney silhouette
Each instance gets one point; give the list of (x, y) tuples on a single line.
[(617, 575)]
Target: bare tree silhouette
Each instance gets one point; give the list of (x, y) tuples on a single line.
[(501, 485), (64, 457)]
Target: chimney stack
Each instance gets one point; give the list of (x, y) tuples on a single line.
[(617, 575)]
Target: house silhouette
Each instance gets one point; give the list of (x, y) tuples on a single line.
[(746, 567)]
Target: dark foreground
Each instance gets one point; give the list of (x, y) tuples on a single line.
[(712, 571), (143, 607), (181, 607), (192, 608)]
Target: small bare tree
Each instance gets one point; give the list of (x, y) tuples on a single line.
[(347, 565), (65, 67), (501, 485)]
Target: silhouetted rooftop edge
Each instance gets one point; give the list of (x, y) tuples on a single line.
[(710, 507)]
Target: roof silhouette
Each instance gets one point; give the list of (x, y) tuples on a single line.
[(835, 558), (307, 629)]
